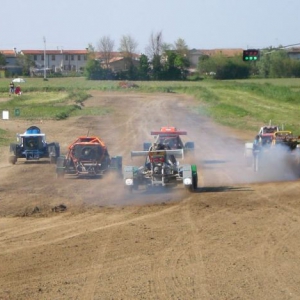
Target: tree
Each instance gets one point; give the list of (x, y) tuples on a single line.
[(2, 60), (157, 68), (166, 47), (263, 65), (143, 68), (295, 68), (155, 46), (278, 62), (91, 52), (174, 60), (93, 70), (209, 64), (224, 67), (25, 62), (171, 72), (181, 47), (275, 63), (232, 70), (154, 52), (175, 67), (106, 47), (182, 63), (128, 48)]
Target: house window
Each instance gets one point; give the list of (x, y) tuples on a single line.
[(84, 57), (42, 57), (72, 57), (66, 57), (78, 57), (53, 57), (34, 57)]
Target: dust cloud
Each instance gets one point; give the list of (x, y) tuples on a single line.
[(218, 154)]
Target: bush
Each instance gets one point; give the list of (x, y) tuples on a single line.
[(231, 70)]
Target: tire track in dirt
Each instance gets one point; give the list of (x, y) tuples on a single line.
[(204, 226), (285, 260), (256, 255), (183, 260), (96, 267), (60, 232), (281, 243)]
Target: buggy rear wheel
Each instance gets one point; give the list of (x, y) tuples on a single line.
[(54, 152), (60, 166), (13, 159), (193, 187), (53, 160)]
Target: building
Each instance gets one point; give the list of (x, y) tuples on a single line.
[(63, 61), (11, 68), (117, 62), (294, 53)]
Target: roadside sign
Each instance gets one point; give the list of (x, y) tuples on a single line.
[(5, 114), (17, 112)]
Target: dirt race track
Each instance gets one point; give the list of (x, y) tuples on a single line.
[(236, 237)]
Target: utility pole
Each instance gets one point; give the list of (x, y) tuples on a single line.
[(45, 59)]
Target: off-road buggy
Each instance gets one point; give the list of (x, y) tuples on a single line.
[(170, 136), (263, 138), (87, 156), (270, 148), (268, 130), (161, 168), (32, 146)]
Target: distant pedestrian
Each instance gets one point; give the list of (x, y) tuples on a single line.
[(18, 90), (11, 88)]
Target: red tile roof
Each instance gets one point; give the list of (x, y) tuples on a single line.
[(49, 52), (75, 52), (115, 55), (8, 52)]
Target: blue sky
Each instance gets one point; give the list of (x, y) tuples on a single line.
[(203, 24)]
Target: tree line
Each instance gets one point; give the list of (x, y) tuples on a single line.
[(161, 61), (273, 63), (164, 61)]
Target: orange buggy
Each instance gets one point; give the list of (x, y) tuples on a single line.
[(87, 156)]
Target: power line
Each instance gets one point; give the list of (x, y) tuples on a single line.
[(290, 45), (282, 47), (278, 48)]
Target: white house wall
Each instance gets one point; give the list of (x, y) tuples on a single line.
[(65, 62)]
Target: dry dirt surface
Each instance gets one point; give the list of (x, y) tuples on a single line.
[(236, 237)]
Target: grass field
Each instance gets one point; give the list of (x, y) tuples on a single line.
[(245, 104)]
